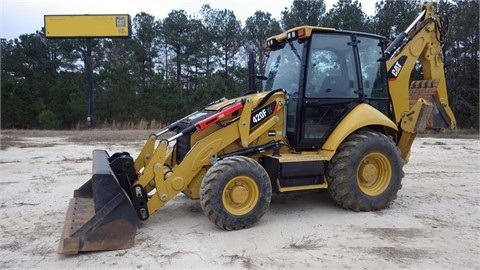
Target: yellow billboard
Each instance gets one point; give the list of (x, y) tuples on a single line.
[(83, 26)]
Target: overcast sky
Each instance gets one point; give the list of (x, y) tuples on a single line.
[(26, 16)]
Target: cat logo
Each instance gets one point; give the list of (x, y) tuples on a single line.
[(395, 70)]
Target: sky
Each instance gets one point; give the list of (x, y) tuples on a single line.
[(19, 17)]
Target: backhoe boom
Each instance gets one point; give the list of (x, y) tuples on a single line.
[(418, 108)]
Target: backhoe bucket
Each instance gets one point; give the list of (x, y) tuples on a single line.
[(100, 215)]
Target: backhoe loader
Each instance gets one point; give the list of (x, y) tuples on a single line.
[(337, 111)]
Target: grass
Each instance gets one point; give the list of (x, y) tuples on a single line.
[(246, 262), (305, 243), (451, 133), (80, 136), (15, 137)]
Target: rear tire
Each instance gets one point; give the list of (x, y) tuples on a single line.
[(366, 172), (235, 193)]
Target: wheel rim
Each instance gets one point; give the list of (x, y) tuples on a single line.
[(240, 195), (374, 174)]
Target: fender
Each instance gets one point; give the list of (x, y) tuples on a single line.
[(361, 116)]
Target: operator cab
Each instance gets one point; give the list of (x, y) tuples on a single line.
[(326, 73)]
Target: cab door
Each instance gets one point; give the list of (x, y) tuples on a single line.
[(330, 90)]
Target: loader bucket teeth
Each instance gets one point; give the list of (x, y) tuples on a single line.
[(100, 216)]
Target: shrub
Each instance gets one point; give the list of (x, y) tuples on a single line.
[(48, 119)]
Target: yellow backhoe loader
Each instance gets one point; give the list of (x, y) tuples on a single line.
[(336, 111)]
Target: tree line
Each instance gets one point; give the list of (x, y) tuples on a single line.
[(174, 65)]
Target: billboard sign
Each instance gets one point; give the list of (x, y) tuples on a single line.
[(87, 26)]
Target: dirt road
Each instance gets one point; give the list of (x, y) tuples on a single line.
[(433, 224)]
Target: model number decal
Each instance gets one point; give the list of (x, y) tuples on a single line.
[(259, 116), (263, 113)]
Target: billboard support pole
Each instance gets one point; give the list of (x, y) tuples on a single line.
[(89, 70)]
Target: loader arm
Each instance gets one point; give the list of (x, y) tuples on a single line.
[(168, 182), (414, 110)]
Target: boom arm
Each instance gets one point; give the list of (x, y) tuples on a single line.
[(421, 42)]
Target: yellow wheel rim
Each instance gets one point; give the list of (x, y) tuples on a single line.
[(374, 174), (240, 195)]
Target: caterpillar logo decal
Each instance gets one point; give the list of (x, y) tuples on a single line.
[(394, 71), (263, 113)]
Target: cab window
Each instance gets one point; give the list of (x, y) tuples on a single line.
[(331, 68), (373, 73)]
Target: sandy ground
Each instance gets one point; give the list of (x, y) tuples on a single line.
[(434, 223)]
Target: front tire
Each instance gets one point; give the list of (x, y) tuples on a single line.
[(366, 172), (235, 193)]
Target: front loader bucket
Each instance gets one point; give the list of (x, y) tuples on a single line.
[(100, 215)]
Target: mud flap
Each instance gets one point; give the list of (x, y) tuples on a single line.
[(100, 215)]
